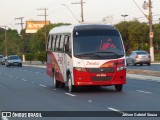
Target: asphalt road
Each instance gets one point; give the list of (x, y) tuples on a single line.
[(30, 89), (154, 67)]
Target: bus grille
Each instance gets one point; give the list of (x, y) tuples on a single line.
[(101, 78), (101, 70)]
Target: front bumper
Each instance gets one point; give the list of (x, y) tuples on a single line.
[(107, 79)]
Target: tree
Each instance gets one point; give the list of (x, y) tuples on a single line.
[(42, 57), (29, 57), (37, 42), (123, 28), (156, 38), (13, 42), (134, 34)]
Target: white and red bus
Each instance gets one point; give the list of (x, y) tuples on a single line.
[(75, 56)]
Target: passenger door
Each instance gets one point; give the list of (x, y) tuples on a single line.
[(61, 56), (66, 54)]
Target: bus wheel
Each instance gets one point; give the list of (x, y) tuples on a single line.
[(118, 87), (55, 82), (70, 86)]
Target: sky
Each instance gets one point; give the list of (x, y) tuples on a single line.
[(94, 11)]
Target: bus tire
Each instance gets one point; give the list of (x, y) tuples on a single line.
[(55, 82), (118, 87), (71, 88)]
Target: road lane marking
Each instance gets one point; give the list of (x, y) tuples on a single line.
[(70, 94), (42, 85), (32, 82), (24, 80), (5, 118), (10, 76), (113, 109), (116, 110), (90, 101), (37, 72), (144, 91), (54, 89), (17, 77)]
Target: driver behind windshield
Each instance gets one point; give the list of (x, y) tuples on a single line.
[(108, 43)]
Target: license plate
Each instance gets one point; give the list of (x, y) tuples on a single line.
[(101, 75), (15, 63), (144, 56)]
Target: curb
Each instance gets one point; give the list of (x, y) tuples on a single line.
[(155, 63), (143, 77), (40, 66)]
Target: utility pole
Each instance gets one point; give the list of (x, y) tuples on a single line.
[(21, 23), (81, 3), (149, 18), (5, 41), (151, 31), (45, 19)]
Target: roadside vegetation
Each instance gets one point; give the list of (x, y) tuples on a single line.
[(135, 36), (134, 33)]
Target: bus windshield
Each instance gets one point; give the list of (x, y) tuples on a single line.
[(102, 42)]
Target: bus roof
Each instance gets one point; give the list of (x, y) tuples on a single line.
[(69, 28)]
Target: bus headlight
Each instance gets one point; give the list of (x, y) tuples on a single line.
[(80, 69)]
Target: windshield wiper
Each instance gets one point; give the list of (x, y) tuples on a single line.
[(91, 53), (118, 55)]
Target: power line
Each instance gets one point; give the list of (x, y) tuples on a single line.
[(145, 17), (81, 3), (71, 12)]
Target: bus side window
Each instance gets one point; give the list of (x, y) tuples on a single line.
[(61, 43), (49, 43), (54, 42), (57, 43), (67, 45)]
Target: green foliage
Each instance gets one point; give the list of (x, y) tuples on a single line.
[(157, 57), (29, 57), (123, 28), (13, 42), (37, 42), (42, 57), (134, 34), (156, 40)]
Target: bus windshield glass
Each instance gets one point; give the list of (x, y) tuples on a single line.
[(99, 42)]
